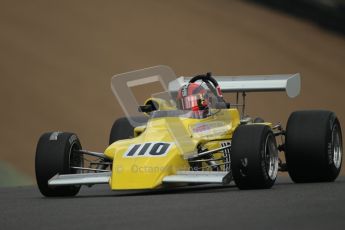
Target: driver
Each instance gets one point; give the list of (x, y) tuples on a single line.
[(194, 97)]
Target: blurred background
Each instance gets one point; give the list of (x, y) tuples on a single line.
[(57, 58)]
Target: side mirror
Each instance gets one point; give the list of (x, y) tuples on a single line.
[(146, 108)]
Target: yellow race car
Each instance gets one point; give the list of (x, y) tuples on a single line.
[(187, 134)]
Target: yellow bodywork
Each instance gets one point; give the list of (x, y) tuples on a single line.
[(182, 135)]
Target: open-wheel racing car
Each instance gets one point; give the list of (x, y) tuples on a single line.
[(189, 135)]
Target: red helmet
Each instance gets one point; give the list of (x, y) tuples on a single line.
[(192, 96)]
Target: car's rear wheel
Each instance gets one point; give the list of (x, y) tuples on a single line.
[(258, 120), (55, 155), (313, 146), (123, 129), (254, 157)]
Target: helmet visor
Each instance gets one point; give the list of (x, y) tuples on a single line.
[(192, 101)]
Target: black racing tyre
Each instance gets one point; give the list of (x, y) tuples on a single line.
[(123, 129), (313, 146), (258, 120), (54, 155), (254, 157)]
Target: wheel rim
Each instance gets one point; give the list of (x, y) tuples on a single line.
[(75, 159), (337, 146), (271, 157)]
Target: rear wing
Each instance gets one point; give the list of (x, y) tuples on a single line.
[(290, 83)]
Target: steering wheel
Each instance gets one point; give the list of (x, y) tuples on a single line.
[(213, 86)]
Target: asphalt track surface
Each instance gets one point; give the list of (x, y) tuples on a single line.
[(286, 206)]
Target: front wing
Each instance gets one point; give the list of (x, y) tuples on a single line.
[(199, 177)]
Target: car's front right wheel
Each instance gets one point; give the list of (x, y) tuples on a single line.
[(55, 154)]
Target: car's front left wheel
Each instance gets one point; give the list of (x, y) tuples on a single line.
[(254, 157)]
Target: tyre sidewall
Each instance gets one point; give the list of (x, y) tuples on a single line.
[(333, 170)]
